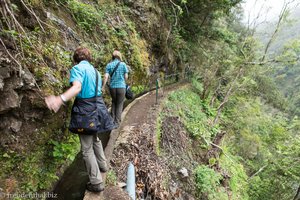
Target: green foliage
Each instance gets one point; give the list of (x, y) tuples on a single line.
[(37, 170), (197, 86), (238, 178), (138, 89), (178, 44), (37, 177), (267, 89), (8, 160), (111, 178), (196, 114), (290, 53), (260, 134), (286, 75), (222, 33), (39, 174), (85, 15), (68, 150), (208, 184)]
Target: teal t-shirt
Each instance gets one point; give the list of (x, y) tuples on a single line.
[(117, 80), (84, 72)]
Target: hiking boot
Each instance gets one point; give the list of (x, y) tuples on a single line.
[(95, 187)]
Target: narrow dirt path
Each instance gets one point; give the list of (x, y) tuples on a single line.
[(140, 115)]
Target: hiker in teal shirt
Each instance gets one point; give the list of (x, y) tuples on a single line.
[(84, 73), (83, 86), (118, 73)]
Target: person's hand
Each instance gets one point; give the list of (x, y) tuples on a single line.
[(103, 89), (53, 102)]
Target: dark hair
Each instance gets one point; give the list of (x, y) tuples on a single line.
[(82, 53)]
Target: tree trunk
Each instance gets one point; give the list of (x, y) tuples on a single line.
[(215, 149), (228, 94), (281, 17), (213, 98)]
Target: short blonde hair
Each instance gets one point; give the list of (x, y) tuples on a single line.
[(117, 54)]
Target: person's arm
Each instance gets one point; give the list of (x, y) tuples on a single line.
[(126, 72), (55, 102), (106, 75)]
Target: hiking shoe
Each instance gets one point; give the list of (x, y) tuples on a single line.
[(116, 125), (95, 187)]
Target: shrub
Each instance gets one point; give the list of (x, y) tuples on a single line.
[(208, 184)]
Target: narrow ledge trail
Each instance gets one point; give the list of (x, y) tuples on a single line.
[(142, 113)]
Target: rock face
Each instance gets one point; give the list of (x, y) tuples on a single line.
[(22, 109), (15, 89), (153, 26), (9, 100)]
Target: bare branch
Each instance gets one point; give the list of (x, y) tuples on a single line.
[(12, 57), (33, 13), (273, 61), (256, 173), (15, 20), (252, 25), (174, 6), (282, 14), (227, 95), (215, 145)]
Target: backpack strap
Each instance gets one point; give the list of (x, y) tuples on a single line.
[(115, 69), (96, 88)]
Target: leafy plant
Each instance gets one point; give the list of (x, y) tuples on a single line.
[(138, 89), (187, 104), (65, 150), (208, 183), (111, 178), (197, 85), (85, 14)]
